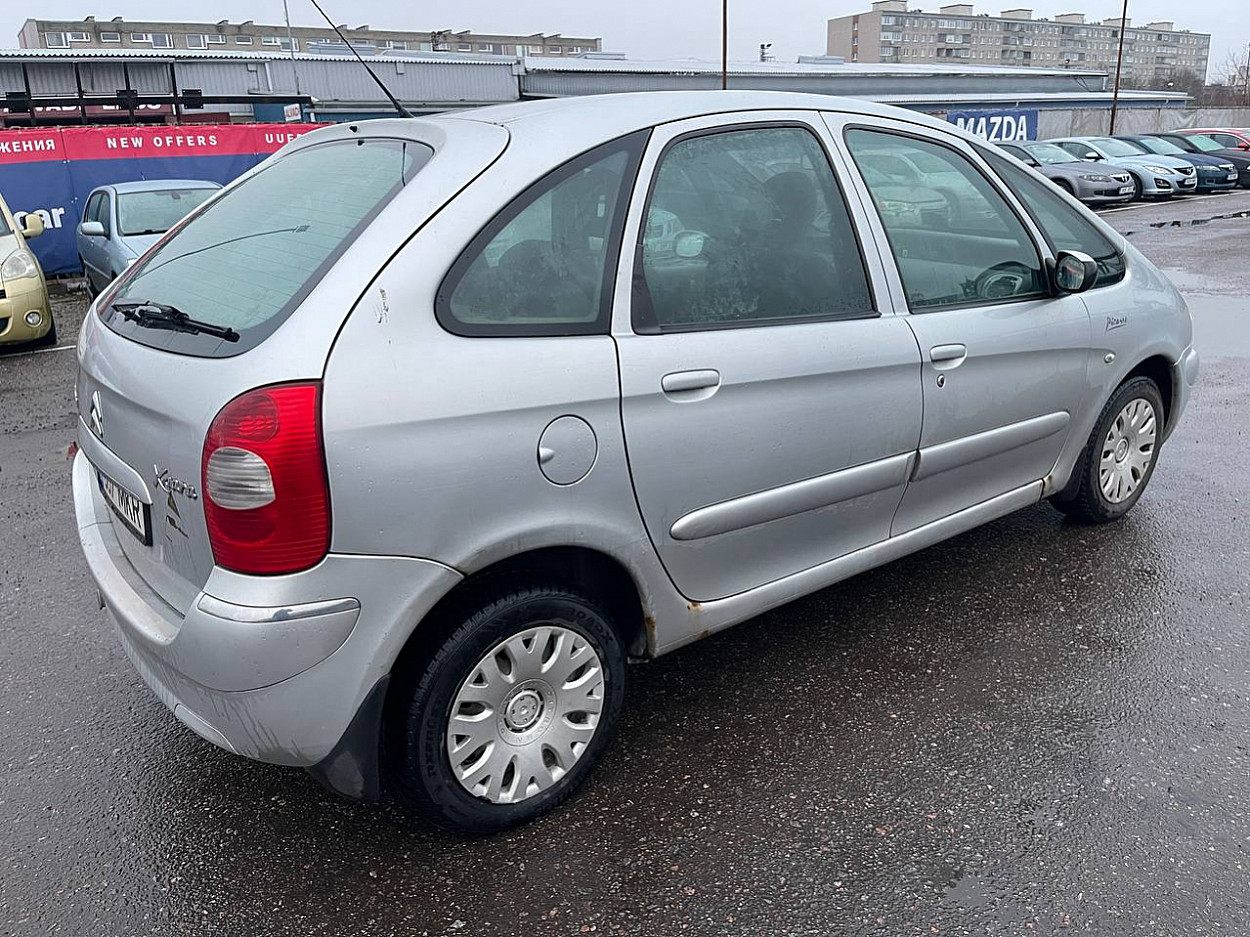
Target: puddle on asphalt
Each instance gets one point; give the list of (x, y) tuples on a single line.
[(1189, 222)]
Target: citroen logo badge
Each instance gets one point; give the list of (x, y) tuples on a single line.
[(96, 415)]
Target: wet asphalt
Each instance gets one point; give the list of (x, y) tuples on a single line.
[(1035, 728)]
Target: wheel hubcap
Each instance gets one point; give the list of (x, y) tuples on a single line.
[(1127, 450), (525, 714)]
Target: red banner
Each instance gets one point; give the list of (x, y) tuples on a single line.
[(34, 145), (209, 140), (31, 146)]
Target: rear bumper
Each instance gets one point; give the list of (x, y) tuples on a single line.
[(273, 668)]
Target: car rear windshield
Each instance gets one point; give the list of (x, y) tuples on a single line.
[(247, 260), (157, 212)]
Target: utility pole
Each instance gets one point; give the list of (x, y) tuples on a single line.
[(1119, 63), (724, 45), (291, 42)]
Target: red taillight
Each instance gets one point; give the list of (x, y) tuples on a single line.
[(266, 498)]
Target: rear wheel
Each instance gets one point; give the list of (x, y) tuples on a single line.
[(1119, 458), (508, 716)]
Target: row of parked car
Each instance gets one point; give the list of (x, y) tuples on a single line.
[(1138, 166)]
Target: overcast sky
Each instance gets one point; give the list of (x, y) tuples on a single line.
[(641, 28)]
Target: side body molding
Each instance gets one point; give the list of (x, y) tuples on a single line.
[(795, 498), (968, 449)]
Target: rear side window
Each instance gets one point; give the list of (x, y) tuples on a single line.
[(545, 264), (249, 259), (1062, 225), (744, 228), (956, 240)]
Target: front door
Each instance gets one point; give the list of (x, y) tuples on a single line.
[(771, 404), (1004, 360)]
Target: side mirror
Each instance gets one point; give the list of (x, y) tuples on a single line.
[(91, 229), (1091, 156), (1243, 146), (689, 244), (32, 226), (1074, 272)]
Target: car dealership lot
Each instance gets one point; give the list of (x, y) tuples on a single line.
[(1034, 728)]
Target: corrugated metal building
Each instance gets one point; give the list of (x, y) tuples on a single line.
[(84, 86)]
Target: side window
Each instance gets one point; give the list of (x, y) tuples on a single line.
[(544, 265), (1226, 140), (1076, 149), (93, 206), (955, 239), (1062, 225), (747, 227), (104, 213)]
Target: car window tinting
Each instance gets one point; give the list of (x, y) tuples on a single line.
[(156, 212), (251, 257), (747, 227), (955, 239), (1062, 225), (544, 264)]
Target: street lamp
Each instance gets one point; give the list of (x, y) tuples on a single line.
[(1119, 63), (724, 45)]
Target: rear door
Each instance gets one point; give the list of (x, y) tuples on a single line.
[(770, 397), (1004, 360)]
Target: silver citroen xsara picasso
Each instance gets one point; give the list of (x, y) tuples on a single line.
[(393, 452)]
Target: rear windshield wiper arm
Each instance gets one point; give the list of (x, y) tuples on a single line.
[(152, 315)]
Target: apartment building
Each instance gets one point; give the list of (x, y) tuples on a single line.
[(955, 34), (248, 36)]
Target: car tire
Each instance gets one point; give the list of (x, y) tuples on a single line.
[(1119, 458), (1138, 191), (1065, 186), (522, 753)]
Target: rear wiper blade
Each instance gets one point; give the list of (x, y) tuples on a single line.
[(147, 314)]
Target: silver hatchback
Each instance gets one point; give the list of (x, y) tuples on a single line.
[(395, 451)]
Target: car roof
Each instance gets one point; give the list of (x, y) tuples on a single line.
[(160, 185), (574, 124)]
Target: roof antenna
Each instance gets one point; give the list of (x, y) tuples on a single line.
[(402, 111)]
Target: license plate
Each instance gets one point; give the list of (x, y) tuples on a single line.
[(1125, 189), (133, 513)]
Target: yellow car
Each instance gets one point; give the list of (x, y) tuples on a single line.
[(25, 315)]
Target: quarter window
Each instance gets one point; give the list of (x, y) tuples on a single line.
[(1062, 225), (955, 239), (747, 227), (544, 265)]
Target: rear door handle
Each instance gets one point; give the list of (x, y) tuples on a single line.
[(681, 382), (948, 352)]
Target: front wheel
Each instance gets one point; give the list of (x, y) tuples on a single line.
[(509, 715), (1119, 458), (1137, 187)]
